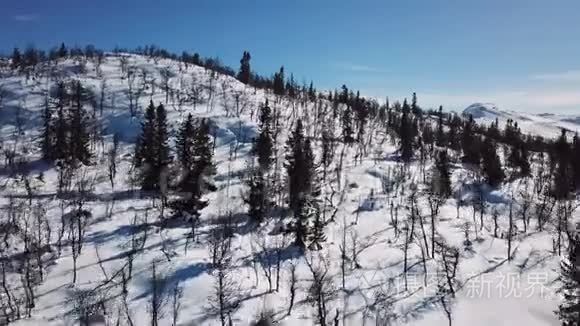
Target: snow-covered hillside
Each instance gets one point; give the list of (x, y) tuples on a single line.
[(548, 125), (490, 289)]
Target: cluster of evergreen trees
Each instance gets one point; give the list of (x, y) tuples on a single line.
[(258, 197), (304, 190), (478, 145), (152, 152), (194, 160), (303, 182), (65, 135), (32, 56), (195, 156)]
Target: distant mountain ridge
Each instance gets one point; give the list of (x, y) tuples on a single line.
[(548, 125)]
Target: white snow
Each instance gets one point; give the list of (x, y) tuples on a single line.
[(534, 264)]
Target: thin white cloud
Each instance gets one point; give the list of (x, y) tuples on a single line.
[(565, 76), (25, 17), (356, 67)]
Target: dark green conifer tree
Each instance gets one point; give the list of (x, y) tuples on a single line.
[(304, 188), (48, 132), (264, 145), (561, 155), (491, 164), (152, 153), (257, 198), (62, 51), (16, 59), (470, 144), (569, 309), (62, 100), (79, 139), (196, 162), (347, 130), (278, 83), (406, 134), (441, 180), (576, 160), (245, 73), (441, 140)]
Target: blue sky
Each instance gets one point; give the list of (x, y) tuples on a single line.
[(520, 54)]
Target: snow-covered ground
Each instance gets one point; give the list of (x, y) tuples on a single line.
[(491, 290)]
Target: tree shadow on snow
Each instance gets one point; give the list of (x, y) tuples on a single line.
[(168, 282)]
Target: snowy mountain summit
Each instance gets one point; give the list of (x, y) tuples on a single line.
[(484, 110)]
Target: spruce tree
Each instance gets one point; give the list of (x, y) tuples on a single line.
[(347, 131), (147, 150), (16, 59), (518, 158), (187, 183), (295, 165), (311, 182), (361, 112), (304, 187), (569, 309), (471, 150), (79, 139), (524, 164), (202, 151), (576, 160), (453, 136), (244, 75), (47, 140), (327, 151), (311, 92), (61, 148), (257, 199), (415, 108), (406, 134), (493, 131), (152, 154), (197, 168), (30, 57), (441, 141), (312, 210), (278, 83), (62, 51), (344, 95), (441, 180), (291, 86), (162, 139), (511, 134), (491, 164), (184, 143), (309, 210), (258, 194), (562, 183), (264, 145)]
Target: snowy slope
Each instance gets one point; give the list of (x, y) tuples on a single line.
[(520, 292), (545, 125)]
